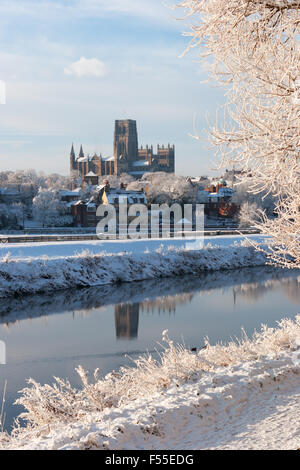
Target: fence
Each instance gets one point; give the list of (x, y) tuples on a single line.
[(143, 234)]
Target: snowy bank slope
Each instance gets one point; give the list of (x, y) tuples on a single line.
[(45, 274), (244, 395)]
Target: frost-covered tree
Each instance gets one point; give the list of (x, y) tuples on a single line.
[(167, 188), (29, 180), (4, 178), (3, 216), (25, 180), (248, 214), (115, 181), (56, 181), (18, 211), (253, 49), (263, 201), (11, 216), (49, 210)]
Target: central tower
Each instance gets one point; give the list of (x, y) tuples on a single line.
[(125, 145)]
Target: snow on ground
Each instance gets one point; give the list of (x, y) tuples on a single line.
[(64, 249), (244, 395), (51, 267)]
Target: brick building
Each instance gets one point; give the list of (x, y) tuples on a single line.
[(85, 212)]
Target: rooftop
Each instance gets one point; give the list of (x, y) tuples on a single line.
[(140, 163)]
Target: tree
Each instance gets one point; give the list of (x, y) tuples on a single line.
[(3, 216), (11, 216), (56, 181), (167, 188), (263, 201), (18, 211), (115, 181), (253, 49), (247, 213), (49, 209)]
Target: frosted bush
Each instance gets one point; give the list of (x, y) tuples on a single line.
[(176, 365)]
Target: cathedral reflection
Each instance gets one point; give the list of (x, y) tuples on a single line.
[(252, 292), (127, 320), (129, 301), (127, 314)]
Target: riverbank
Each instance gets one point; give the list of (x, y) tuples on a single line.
[(244, 395), (52, 267)]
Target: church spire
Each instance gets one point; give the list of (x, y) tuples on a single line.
[(72, 160), (72, 154), (81, 154)]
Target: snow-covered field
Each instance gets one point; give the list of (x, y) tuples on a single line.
[(245, 395), (65, 249), (44, 267)]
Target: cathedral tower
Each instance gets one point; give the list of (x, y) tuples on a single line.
[(125, 145)]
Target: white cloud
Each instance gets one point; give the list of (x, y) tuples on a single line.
[(87, 68)]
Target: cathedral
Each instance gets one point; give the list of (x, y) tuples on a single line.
[(127, 158)]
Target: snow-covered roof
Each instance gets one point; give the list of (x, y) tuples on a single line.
[(108, 159), (100, 186), (132, 197), (226, 191), (111, 198), (215, 195), (65, 192), (140, 163), (8, 191), (82, 159), (71, 203), (218, 182), (91, 173)]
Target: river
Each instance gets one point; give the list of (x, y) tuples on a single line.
[(104, 327)]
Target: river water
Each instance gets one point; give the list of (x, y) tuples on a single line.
[(104, 327)]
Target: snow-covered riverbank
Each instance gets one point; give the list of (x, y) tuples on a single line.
[(245, 395), (37, 269)]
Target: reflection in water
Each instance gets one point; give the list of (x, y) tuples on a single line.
[(127, 315), (148, 296), (251, 292), (291, 287), (127, 320), (166, 304)]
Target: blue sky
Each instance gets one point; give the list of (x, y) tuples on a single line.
[(72, 67)]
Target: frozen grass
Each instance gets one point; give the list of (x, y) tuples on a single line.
[(49, 406)]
